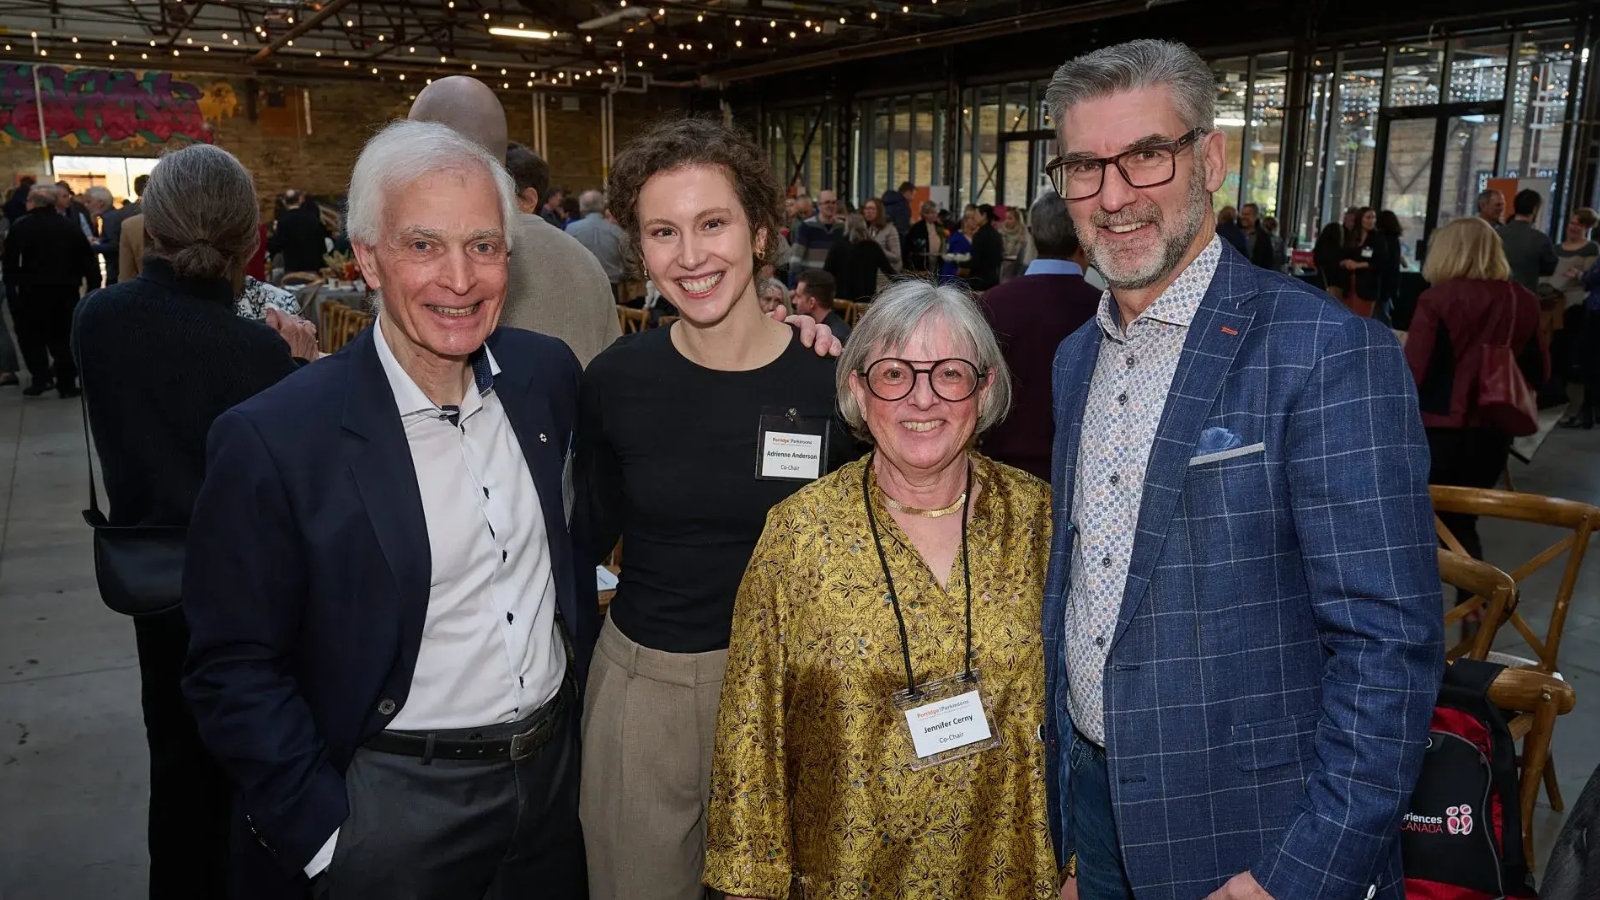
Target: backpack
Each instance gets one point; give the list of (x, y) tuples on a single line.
[(1461, 839)]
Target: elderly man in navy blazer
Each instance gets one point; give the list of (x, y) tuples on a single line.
[(1243, 635), (388, 625)]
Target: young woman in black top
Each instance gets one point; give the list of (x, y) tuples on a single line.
[(686, 438)]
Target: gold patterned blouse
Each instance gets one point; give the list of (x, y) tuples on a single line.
[(811, 794)]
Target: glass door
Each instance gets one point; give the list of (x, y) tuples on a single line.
[(1468, 151), (1408, 174), (1432, 162)]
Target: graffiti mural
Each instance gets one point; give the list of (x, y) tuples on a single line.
[(95, 106)]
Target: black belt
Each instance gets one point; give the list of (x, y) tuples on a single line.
[(519, 746)]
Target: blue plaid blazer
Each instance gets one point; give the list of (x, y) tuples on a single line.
[(1280, 643)]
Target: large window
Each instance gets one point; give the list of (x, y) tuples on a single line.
[(1233, 83), (1263, 163), (1350, 154)]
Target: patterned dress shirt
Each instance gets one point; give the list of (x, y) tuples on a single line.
[(1126, 398)]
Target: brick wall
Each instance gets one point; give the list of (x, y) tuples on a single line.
[(265, 126)]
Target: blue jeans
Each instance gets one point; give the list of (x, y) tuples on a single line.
[(1094, 825)]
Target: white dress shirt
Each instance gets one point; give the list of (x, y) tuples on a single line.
[(490, 652)]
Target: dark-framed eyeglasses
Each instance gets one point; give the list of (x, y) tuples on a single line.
[(1147, 166), (953, 380)]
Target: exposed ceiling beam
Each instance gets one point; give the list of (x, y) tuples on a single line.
[(194, 13), (317, 18)]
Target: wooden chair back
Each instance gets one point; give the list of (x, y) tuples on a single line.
[(850, 311), (633, 319), (1493, 592), (1537, 699), (299, 279), (340, 324), (1578, 518)]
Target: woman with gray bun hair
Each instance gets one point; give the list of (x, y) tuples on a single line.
[(161, 357)]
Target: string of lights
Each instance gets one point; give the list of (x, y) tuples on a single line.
[(468, 33)]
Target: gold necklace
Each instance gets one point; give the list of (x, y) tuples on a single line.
[(926, 513)]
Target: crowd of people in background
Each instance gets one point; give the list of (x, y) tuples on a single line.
[(390, 675)]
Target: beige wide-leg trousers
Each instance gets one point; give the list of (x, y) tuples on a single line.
[(649, 722)]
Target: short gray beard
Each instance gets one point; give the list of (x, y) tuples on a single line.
[(1174, 245)]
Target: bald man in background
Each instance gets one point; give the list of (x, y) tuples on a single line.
[(556, 285)]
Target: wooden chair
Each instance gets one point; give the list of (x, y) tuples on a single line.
[(330, 324), (300, 279), (1536, 699), (1580, 519), (633, 319), (850, 310), (1493, 592)]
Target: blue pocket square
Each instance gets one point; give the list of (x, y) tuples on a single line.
[(1216, 440)]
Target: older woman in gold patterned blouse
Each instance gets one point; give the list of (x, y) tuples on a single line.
[(878, 735)]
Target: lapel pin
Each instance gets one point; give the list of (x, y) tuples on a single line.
[(543, 439), (1227, 330)]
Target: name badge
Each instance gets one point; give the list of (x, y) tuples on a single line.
[(791, 447), (1366, 252), (946, 719)]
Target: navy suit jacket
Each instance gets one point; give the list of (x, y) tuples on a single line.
[(1280, 642), (307, 583)]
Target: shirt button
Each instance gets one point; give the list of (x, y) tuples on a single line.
[(510, 618), (1116, 478), (1106, 562), (1122, 398), (1100, 641), (1130, 362), (386, 707)]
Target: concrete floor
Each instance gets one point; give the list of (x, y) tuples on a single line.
[(72, 756)]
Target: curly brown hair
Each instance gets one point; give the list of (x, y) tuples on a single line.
[(696, 141)]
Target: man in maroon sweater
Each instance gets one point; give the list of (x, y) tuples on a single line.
[(1031, 315)]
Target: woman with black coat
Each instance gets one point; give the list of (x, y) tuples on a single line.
[(161, 357), (856, 261)]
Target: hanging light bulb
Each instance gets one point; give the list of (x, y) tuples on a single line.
[(738, 43), (319, 54)]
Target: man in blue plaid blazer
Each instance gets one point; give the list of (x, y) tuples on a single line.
[(1242, 621)]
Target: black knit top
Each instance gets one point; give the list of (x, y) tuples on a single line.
[(161, 358)]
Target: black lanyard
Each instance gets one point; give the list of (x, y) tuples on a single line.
[(894, 599)]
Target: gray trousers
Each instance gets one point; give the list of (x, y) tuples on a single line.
[(460, 829), (650, 720)]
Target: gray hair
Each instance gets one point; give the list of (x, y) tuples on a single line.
[(1484, 196), (43, 196), (401, 154), (99, 193), (591, 202), (1133, 66), (1051, 227), (773, 285), (891, 319), (201, 213), (855, 228)]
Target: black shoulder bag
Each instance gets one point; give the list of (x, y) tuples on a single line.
[(139, 567)]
